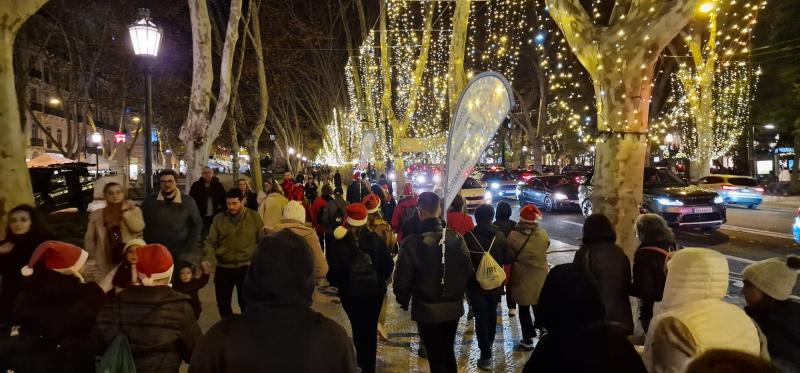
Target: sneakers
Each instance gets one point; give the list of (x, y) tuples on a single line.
[(526, 344), (512, 312), (485, 364)]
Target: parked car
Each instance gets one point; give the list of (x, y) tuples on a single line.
[(62, 186), (524, 174), (499, 182), (664, 193), (475, 194), (735, 190), (551, 193)]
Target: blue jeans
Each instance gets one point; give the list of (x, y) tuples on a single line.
[(484, 308)]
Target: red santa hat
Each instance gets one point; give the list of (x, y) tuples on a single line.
[(154, 263), (530, 214), (356, 217), (356, 175), (372, 203), (58, 256)]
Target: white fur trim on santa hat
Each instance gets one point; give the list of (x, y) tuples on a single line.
[(376, 209), (72, 270), (356, 223), (149, 281)]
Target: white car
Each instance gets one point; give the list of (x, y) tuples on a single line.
[(475, 194)]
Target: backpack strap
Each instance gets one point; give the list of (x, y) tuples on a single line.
[(479, 242), (523, 246)]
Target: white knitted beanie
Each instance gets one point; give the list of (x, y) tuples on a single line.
[(294, 211), (774, 276)]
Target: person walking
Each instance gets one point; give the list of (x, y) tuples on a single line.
[(457, 218), (693, 317), (649, 264), (287, 184), (209, 195), (249, 197), (436, 305), (359, 266), (172, 219), (577, 339), (55, 312), (784, 181), (376, 224), (271, 209), (334, 214), (25, 231), (186, 283), (110, 228), (311, 188), (405, 213), (157, 320), (386, 184), (359, 188), (266, 189), (609, 267), (528, 244), (294, 220), (123, 274), (337, 180), (485, 237), (279, 289), (503, 222), (318, 211), (231, 243), (767, 289)]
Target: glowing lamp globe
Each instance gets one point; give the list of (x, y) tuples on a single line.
[(145, 36), (706, 7), (97, 138)]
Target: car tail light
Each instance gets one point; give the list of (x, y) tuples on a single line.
[(759, 189), (728, 187)]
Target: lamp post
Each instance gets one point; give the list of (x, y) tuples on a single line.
[(272, 138), (97, 138), (146, 39)]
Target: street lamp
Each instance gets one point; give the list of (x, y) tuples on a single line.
[(146, 39), (272, 138), (291, 151), (97, 138), (769, 126)]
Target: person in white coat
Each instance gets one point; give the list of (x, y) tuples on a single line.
[(692, 317)]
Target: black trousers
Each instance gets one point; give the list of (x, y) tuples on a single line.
[(526, 322), (363, 313), (438, 339), (510, 301), (224, 281), (484, 307), (207, 220)]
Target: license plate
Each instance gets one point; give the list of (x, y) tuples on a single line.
[(703, 210)]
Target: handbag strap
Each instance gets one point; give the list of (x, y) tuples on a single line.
[(523, 246)]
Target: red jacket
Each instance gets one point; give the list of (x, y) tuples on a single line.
[(459, 222), (319, 204), (397, 217)]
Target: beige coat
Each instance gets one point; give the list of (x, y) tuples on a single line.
[(530, 268), (271, 210), (96, 238), (310, 236), (692, 317)]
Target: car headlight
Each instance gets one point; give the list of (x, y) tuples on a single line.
[(437, 179), (718, 200), (669, 202), (560, 196), (487, 197), (495, 185), (420, 179)]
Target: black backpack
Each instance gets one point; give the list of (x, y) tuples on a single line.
[(335, 216), (363, 279)]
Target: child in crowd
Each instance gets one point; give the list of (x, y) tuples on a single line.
[(124, 274), (187, 284)]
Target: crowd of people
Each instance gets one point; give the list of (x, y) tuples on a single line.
[(130, 294)]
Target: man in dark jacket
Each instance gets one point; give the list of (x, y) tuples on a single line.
[(209, 195), (171, 218), (358, 188), (279, 320), (436, 306), (158, 321), (485, 237), (333, 214)]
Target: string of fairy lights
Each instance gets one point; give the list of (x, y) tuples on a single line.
[(709, 107)]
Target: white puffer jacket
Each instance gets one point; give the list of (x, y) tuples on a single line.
[(692, 317)]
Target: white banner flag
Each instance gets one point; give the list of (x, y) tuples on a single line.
[(367, 148), (483, 106)]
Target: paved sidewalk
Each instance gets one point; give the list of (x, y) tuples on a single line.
[(400, 353), (781, 203)]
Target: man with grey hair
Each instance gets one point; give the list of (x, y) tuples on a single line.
[(209, 194), (650, 263)]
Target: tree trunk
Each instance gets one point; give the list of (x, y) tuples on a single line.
[(536, 152), (235, 146), (255, 164), (199, 131), (16, 186), (263, 109), (458, 43)]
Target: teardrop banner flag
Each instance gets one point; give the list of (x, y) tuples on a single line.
[(367, 147), (482, 107)]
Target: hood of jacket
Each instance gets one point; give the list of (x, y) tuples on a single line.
[(695, 274), (282, 271), (298, 228)]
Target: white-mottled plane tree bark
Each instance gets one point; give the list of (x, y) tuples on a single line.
[(16, 186), (620, 59), (201, 128)]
